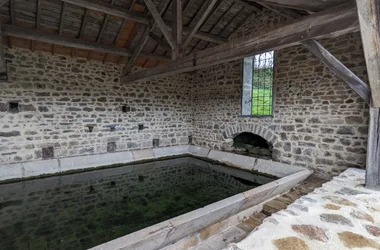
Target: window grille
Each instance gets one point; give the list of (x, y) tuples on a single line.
[(258, 85)]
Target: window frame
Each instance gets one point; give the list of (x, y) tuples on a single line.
[(273, 89)]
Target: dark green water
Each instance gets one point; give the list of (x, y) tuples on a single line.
[(83, 210)]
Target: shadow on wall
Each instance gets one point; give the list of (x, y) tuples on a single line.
[(252, 145)]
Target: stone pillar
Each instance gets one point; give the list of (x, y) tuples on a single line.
[(246, 105)]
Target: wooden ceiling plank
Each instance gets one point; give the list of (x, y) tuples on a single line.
[(113, 10), (198, 21), (48, 37), (343, 17), (160, 22)]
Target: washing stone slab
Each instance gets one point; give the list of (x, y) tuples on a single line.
[(40, 168), (11, 171), (92, 161), (170, 151)]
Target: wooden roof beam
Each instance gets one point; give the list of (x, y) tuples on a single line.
[(318, 25), (107, 8), (369, 18), (26, 33)]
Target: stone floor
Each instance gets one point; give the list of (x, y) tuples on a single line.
[(342, 214), (240, 231)]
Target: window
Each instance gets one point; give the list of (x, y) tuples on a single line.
[(258, 85)]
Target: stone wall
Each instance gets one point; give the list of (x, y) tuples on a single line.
[(59, 97), (318, 121)]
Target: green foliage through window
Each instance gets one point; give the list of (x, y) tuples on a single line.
[(262, 84)]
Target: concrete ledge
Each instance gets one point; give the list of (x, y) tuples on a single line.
[(77, 163)]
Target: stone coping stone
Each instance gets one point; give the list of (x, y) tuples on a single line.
[(77, 163), (175, 229)]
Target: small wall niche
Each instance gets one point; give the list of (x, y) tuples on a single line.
[(141, 127), (48, 153), (156, 143), (111, 147), (190, 139), (13, 107), (90, 127), (125, 109)]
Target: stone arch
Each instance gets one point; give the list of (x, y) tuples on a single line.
[(265, 133)]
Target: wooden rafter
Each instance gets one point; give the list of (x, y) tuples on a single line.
[(160, 22), (317, 25), (307, 5), (188, 5), (26, 33), (131, 61), (198, 21), (161, 42), (101, 32), (61, 22), (216, 24), (201, 35), (338, 68), (2, 2), (177, 27), (38, 20), (113, 10), (82, 28), (121, 29), (248, 6)]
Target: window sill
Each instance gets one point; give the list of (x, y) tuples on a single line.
[(256, 116)]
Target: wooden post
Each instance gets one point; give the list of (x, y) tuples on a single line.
[(373, 154), (369, 19)]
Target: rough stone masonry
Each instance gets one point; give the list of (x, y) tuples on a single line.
[(318, 121)]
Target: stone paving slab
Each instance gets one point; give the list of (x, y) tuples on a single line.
[(342, 214)]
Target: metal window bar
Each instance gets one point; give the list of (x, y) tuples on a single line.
[(262, 84)]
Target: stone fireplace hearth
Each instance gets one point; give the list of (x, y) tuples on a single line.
[(252, 145)]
